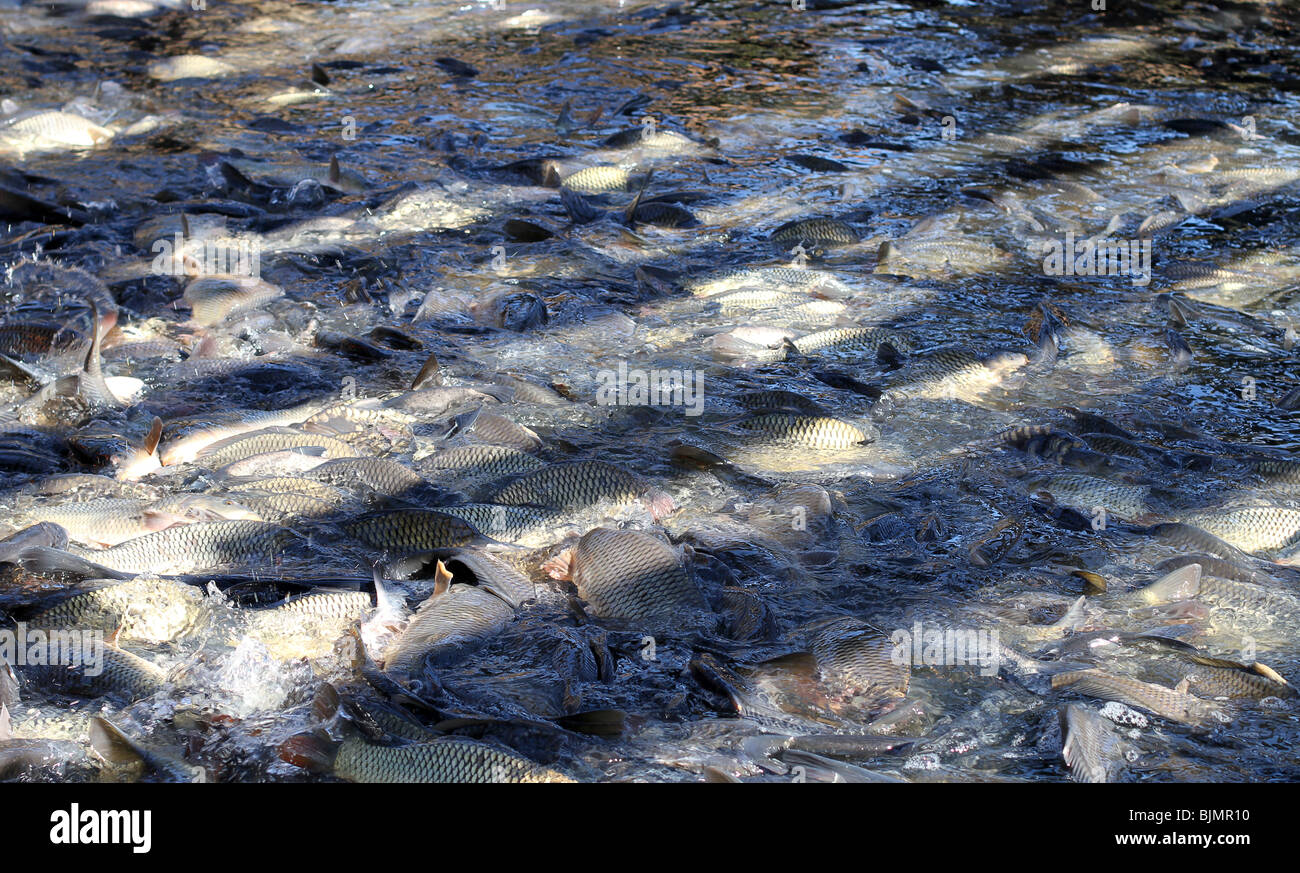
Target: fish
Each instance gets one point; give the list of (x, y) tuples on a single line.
[(97, 669), (1092, 749), (598, 180), (445, 759), (1220, 678), (496, 430), (816, 232), (145, 608), (949, 373), (1169, 703), (184, 449), (111, 521), (817, 432), (782, 279), (409, 531), (1252, 528), (873, 341), (512, 524), (458, 614), (579, 484), (381, 475), (190, 67), (194, 547), (631, 577), (216, 299), (244, 446), (856, 659), (483, 460), (1086, 493), (38, 128), (1264, 603), (281, 499)]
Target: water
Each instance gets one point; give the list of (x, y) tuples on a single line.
[(986, 129)]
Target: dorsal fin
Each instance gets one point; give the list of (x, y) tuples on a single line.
[(441, 580), (155, 434), (428, 374), (335, 174), (629, 215)]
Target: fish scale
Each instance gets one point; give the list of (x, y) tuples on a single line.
[(283, 506), (1282, 471), (817, 432), (484, 460), (597, 180), (411, 530), (571, 485), (109, 520), (853, 339), (1207, 678), (949, 373), (144, 607), (185, 447), (323, 604), (447, 759), (815, 230), (787, 279), (1165, 702), (378, 474), (852, 654), (504, 522), (224, 452), (1087, 492), (1258, 528), (214, 299), (1092, 749), (634, 577), (56, 126), (192, 547), (120, 673), (460, 615)]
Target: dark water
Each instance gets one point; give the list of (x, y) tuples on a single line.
[(968, 135)]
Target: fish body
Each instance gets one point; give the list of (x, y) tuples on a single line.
[(145, 608), (863, 340), (238, 448), (1092, 748), (1258, 528), (408, 531), (195, 547), (633, 577), (818, 432), (215, 299), (93, 669), (447, 759), (572, 485), (1167, 703)]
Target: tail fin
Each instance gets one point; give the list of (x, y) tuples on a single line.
[(313, 752), (44, 560), (595, 722), (112, 745), (92, 386)]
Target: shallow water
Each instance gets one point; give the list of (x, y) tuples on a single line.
[(989, 128)]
